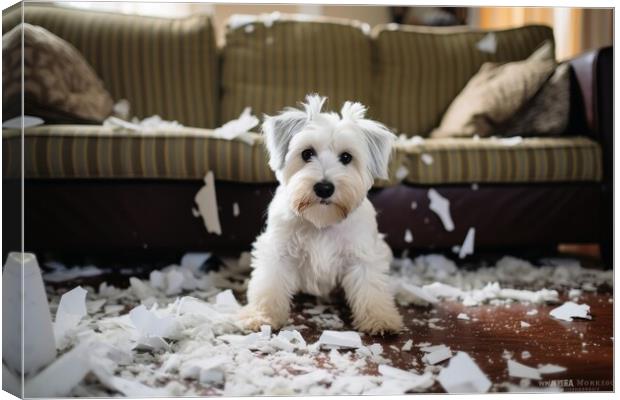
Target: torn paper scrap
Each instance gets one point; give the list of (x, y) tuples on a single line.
[(550, 369), (149, 324), (438, 354), (226, 300), (408, 236), (524, 324), (462, 375), (71, 310), (467, 248), (406, 380), (350, 339), (194, 261), (58, 378), (570, 310), (401, 173), (519, 370), (207, 205), (441, 206), (463, 316), (236, 211), (62, 275), (407, 346), (510, 141), (427, 159), (525, 355), (412, 294), (488, 44), (238, 128)]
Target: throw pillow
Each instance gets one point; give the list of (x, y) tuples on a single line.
[(59, 85), (496, 93), (547, 113)]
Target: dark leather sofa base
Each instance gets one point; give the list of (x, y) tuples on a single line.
[(141, 218)]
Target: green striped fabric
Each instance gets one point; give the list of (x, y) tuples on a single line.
[(167, 67), (420, 70), (271, 66), (490, 160), (89, 151)]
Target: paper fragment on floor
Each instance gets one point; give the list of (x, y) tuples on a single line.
[(227, 301), (405, 380), (412, 294), (149, 324), (441, 206), (207, 205), (467, 248), (524, 324), (407, 346), (570, 310), (463, 316), (462, 375), (347, 339), (436, 354), (71, 310), (550, 369), (519, 370)]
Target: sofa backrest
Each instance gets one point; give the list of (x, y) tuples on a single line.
[(167, 67), (420, 70), (270, 63)]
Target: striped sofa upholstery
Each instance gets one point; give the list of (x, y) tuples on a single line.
[(492, 160), (85, 151), (269, 65), (167, 67), (420, 70)]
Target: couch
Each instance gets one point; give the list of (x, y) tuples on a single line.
[(91, 189)]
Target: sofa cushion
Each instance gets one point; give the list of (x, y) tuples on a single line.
[(59, 85), (270, 63), (420, 70), (89, 151), (501, 160), (495, 94), (163, 66)]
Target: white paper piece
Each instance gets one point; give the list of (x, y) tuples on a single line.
[(149, 324), (550, 369), (194, 261), (525, 355), (62, 275), (236, 211), (524, 324), (414, 205), (71, 310), (203, 369), (349, 339), (462, 375), (147, 125), (412, 381), (58, 378), (439, 289), (427, 159), (207, 205), (463, 316), (408, 345), (226, 300), (488, 44), (408, 236), (28, 122), (570, 310), (94, 306), (236, 127), (468, 244), (519, 370), (408, 293), (141, 290), (510, 141), (441, 206), (438, 354), (401, 173), (532, 312), (574, 293), (129, 388)]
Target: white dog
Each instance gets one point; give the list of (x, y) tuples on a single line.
[(321, 229)]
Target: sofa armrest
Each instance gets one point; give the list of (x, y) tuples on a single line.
[(593, 88)]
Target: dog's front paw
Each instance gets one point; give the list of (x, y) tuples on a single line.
[(251, 318), (388, 322)]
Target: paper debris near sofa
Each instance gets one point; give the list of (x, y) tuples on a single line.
[(497, 92)]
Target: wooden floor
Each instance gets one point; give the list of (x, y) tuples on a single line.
[(584, 347)]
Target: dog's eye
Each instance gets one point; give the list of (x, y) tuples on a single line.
[(345, 158), (307, 154)]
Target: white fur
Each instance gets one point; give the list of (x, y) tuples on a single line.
[(310, 245)]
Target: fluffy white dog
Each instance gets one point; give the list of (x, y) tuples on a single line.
[(321, 229)]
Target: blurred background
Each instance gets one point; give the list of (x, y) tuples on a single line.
[(576, 29)]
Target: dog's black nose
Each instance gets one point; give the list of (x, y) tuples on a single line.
[(324, 189)]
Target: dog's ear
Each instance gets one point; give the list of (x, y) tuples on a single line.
[(280, 129), (378, 138)]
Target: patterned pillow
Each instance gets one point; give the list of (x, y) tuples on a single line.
[(547, 113), (495, 94), (59, 85)]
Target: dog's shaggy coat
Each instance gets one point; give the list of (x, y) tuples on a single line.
[(317, 239)]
